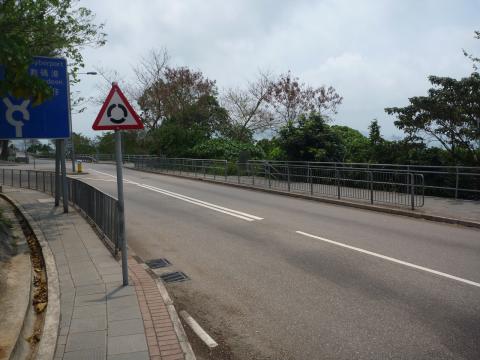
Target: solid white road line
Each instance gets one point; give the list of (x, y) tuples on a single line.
[(197, 329), (95, 179), (113, 176), (206, 203), (196, 202), (465, 281), (218, 208)]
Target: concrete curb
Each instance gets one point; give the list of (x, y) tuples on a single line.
[(377, 208), (177, 324), (48, 342)]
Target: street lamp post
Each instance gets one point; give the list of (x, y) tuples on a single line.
[(70, 113)]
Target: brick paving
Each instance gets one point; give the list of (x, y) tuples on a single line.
[(162, 340)]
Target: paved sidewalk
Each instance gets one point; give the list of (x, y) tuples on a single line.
[(468, 210), (100, 319)]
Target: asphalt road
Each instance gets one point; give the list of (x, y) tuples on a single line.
[(274, 277)]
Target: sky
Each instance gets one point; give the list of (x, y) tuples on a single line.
[(375, 53)]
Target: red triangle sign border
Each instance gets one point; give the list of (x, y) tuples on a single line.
[(116, 89)]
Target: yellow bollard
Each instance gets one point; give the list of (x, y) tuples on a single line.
[(79, 167)]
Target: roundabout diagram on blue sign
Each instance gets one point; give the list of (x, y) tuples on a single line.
[(20, 119)]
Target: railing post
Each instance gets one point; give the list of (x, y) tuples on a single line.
[(269, 177), (371, 186), (43, 174), (288, 177), (20, 179), (310, 177), (12, 177), (456, 182), (253, 174), (412, 190), (337, 178), (226, 170), (28, 178)]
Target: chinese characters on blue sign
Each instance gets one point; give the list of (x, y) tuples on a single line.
[(49, 120)]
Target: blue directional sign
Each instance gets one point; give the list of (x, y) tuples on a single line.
[(20, 119)]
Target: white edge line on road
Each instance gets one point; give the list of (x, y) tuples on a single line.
[(209, 204), (113, 176), (195, 202), (197, 329), (465, 281), (95, 179), (231, 212)]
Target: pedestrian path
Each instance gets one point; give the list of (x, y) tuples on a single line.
[(100, 318)]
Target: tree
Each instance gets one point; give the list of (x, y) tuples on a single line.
[(377, 150), (133, 142), (42, 28), (449, 115), (225, 149), (105, 143), (310, 139), (289, 98), (36, 147), (149, 72), (183, 96), (374, 133), (355, 145), (248, 111), (475, 59), (83, 144), (173, 140)]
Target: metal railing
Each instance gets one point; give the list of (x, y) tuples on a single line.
[(447, 181), (100, 208), (459, 182), (373, 186)]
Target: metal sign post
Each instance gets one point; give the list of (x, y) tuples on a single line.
[(121, 207), (64, 176), (57, 172), (117, 114)]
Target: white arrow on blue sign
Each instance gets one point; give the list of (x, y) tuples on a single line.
[(49, 120)]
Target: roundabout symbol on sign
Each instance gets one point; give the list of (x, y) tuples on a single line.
[(120, 106)]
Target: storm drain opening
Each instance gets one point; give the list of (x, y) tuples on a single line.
[(176, 276), (158, 263)]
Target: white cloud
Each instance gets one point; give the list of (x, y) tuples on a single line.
[(376, 53)]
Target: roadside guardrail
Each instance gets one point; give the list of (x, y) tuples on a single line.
[(368, 185), (459, 182), (95, 205)]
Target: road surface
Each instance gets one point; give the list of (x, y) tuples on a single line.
[(274, 277)]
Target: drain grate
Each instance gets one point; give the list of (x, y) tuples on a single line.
[(158, 263), (176, 276)]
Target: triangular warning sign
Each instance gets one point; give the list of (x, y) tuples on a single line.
[(116, 113)]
